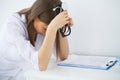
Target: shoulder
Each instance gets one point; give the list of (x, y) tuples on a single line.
[(17, 22), (14, 27), (15, 17)]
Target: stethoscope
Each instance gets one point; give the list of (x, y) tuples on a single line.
[(66, 30)]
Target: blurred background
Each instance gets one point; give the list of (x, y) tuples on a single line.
[(96, 29)]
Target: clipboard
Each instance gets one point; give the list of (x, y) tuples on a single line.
[(90, 62)]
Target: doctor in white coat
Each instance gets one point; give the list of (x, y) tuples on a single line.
[(27, 41)]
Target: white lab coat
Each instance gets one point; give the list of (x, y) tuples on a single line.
[(16, 52)]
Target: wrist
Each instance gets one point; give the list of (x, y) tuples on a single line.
[(51, 29), (52, 26)]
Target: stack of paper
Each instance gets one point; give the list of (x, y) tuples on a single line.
[(83, 61)]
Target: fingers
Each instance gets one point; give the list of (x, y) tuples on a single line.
[(65, 12), (67, 18), (62, 19), (71, 22)]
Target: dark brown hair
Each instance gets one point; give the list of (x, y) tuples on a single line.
[(43, 9)]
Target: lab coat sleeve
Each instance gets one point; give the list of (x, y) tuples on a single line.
[(17, 36)]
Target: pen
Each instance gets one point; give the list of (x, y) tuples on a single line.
[(111, 63)]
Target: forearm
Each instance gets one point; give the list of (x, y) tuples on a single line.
[(46, 49), (63, 47)]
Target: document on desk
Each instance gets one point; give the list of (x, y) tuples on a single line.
[(84, 61)]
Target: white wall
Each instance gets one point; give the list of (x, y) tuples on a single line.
[(96, 27), (8, 7)]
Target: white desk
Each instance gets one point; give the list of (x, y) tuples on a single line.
[(55, 72)]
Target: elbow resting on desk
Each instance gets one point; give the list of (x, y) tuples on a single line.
[(43, 67), (45, 55), (62, 58)]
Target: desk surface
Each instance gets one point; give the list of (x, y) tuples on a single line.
[(55, 72)]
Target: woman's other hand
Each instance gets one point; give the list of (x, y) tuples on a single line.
[(60, 20)]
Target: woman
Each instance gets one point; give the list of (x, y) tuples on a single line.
[(28, 39)]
